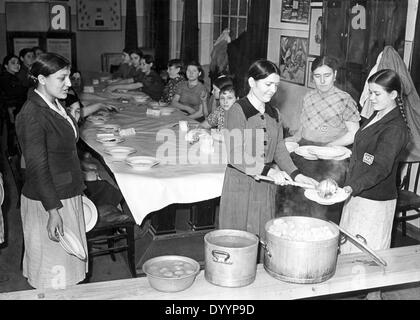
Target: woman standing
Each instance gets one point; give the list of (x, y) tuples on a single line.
[(191, 95), (13, 95), (371, 178), (329, 115), (51, 196), (257, 146)]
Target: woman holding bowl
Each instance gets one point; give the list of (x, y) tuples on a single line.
[(51, 201)]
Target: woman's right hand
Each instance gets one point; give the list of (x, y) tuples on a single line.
[(55, 224), (279, 177)]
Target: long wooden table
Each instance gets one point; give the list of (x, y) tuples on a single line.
[(354, 272)]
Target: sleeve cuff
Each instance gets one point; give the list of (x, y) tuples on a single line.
[(294, 174), (265, 170)]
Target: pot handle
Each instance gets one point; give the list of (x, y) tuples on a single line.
[(265, 247), (221, 256)]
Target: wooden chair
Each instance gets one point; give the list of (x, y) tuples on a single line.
[(408, 199), (113, 225)]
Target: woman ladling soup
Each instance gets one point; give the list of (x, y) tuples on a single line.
[(329, 115), (51, 195), (247, 204)]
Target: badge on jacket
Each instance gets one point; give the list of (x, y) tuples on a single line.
[(368, 158)]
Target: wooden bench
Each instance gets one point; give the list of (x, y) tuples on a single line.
[(354, 272)]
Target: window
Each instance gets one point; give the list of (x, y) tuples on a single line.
[(231, 14)]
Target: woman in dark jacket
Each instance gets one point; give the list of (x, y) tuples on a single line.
[(51, 196), (371, 179), (12, 97)]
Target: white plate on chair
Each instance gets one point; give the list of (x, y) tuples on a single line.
[(90, 213), (71, 244)]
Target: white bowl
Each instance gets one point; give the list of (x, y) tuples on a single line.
[(110, 141), (119, 152), (162, 272), (141, 162)]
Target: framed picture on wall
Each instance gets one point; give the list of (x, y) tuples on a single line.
[(310, 82), (295, 11), (315, 31), (293, 57), (99, 15)]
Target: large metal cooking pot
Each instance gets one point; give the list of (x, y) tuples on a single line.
[(301, 261), (230, 257)]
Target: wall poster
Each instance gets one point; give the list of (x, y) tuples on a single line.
[(310, 82), (293, 57), (99, 15), (20, 43), (315, 32), (295, 11), (60, 46)]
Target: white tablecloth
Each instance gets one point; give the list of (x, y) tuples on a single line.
[(184, 175)]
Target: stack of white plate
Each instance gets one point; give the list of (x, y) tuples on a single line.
[(141, 163), (328, 153), (304, 152), (71, 244)]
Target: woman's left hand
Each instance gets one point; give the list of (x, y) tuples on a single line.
[(307, 180)]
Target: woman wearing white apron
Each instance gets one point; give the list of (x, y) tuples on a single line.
[(51, 196), (371, 179)]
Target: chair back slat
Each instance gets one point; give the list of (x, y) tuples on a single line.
[(412, 174)]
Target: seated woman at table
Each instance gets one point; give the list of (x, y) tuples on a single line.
[(216, 119), (191, 95), (51, 195), (247, 204), (135, 73), (175, 75), (149, 82), (329, 115), (218, 83), (125, 68)]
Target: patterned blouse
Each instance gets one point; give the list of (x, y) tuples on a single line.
[(325, 112), (170, 89), (217, 118)]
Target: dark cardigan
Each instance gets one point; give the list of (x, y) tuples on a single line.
[(376, 152), (49, 149)]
